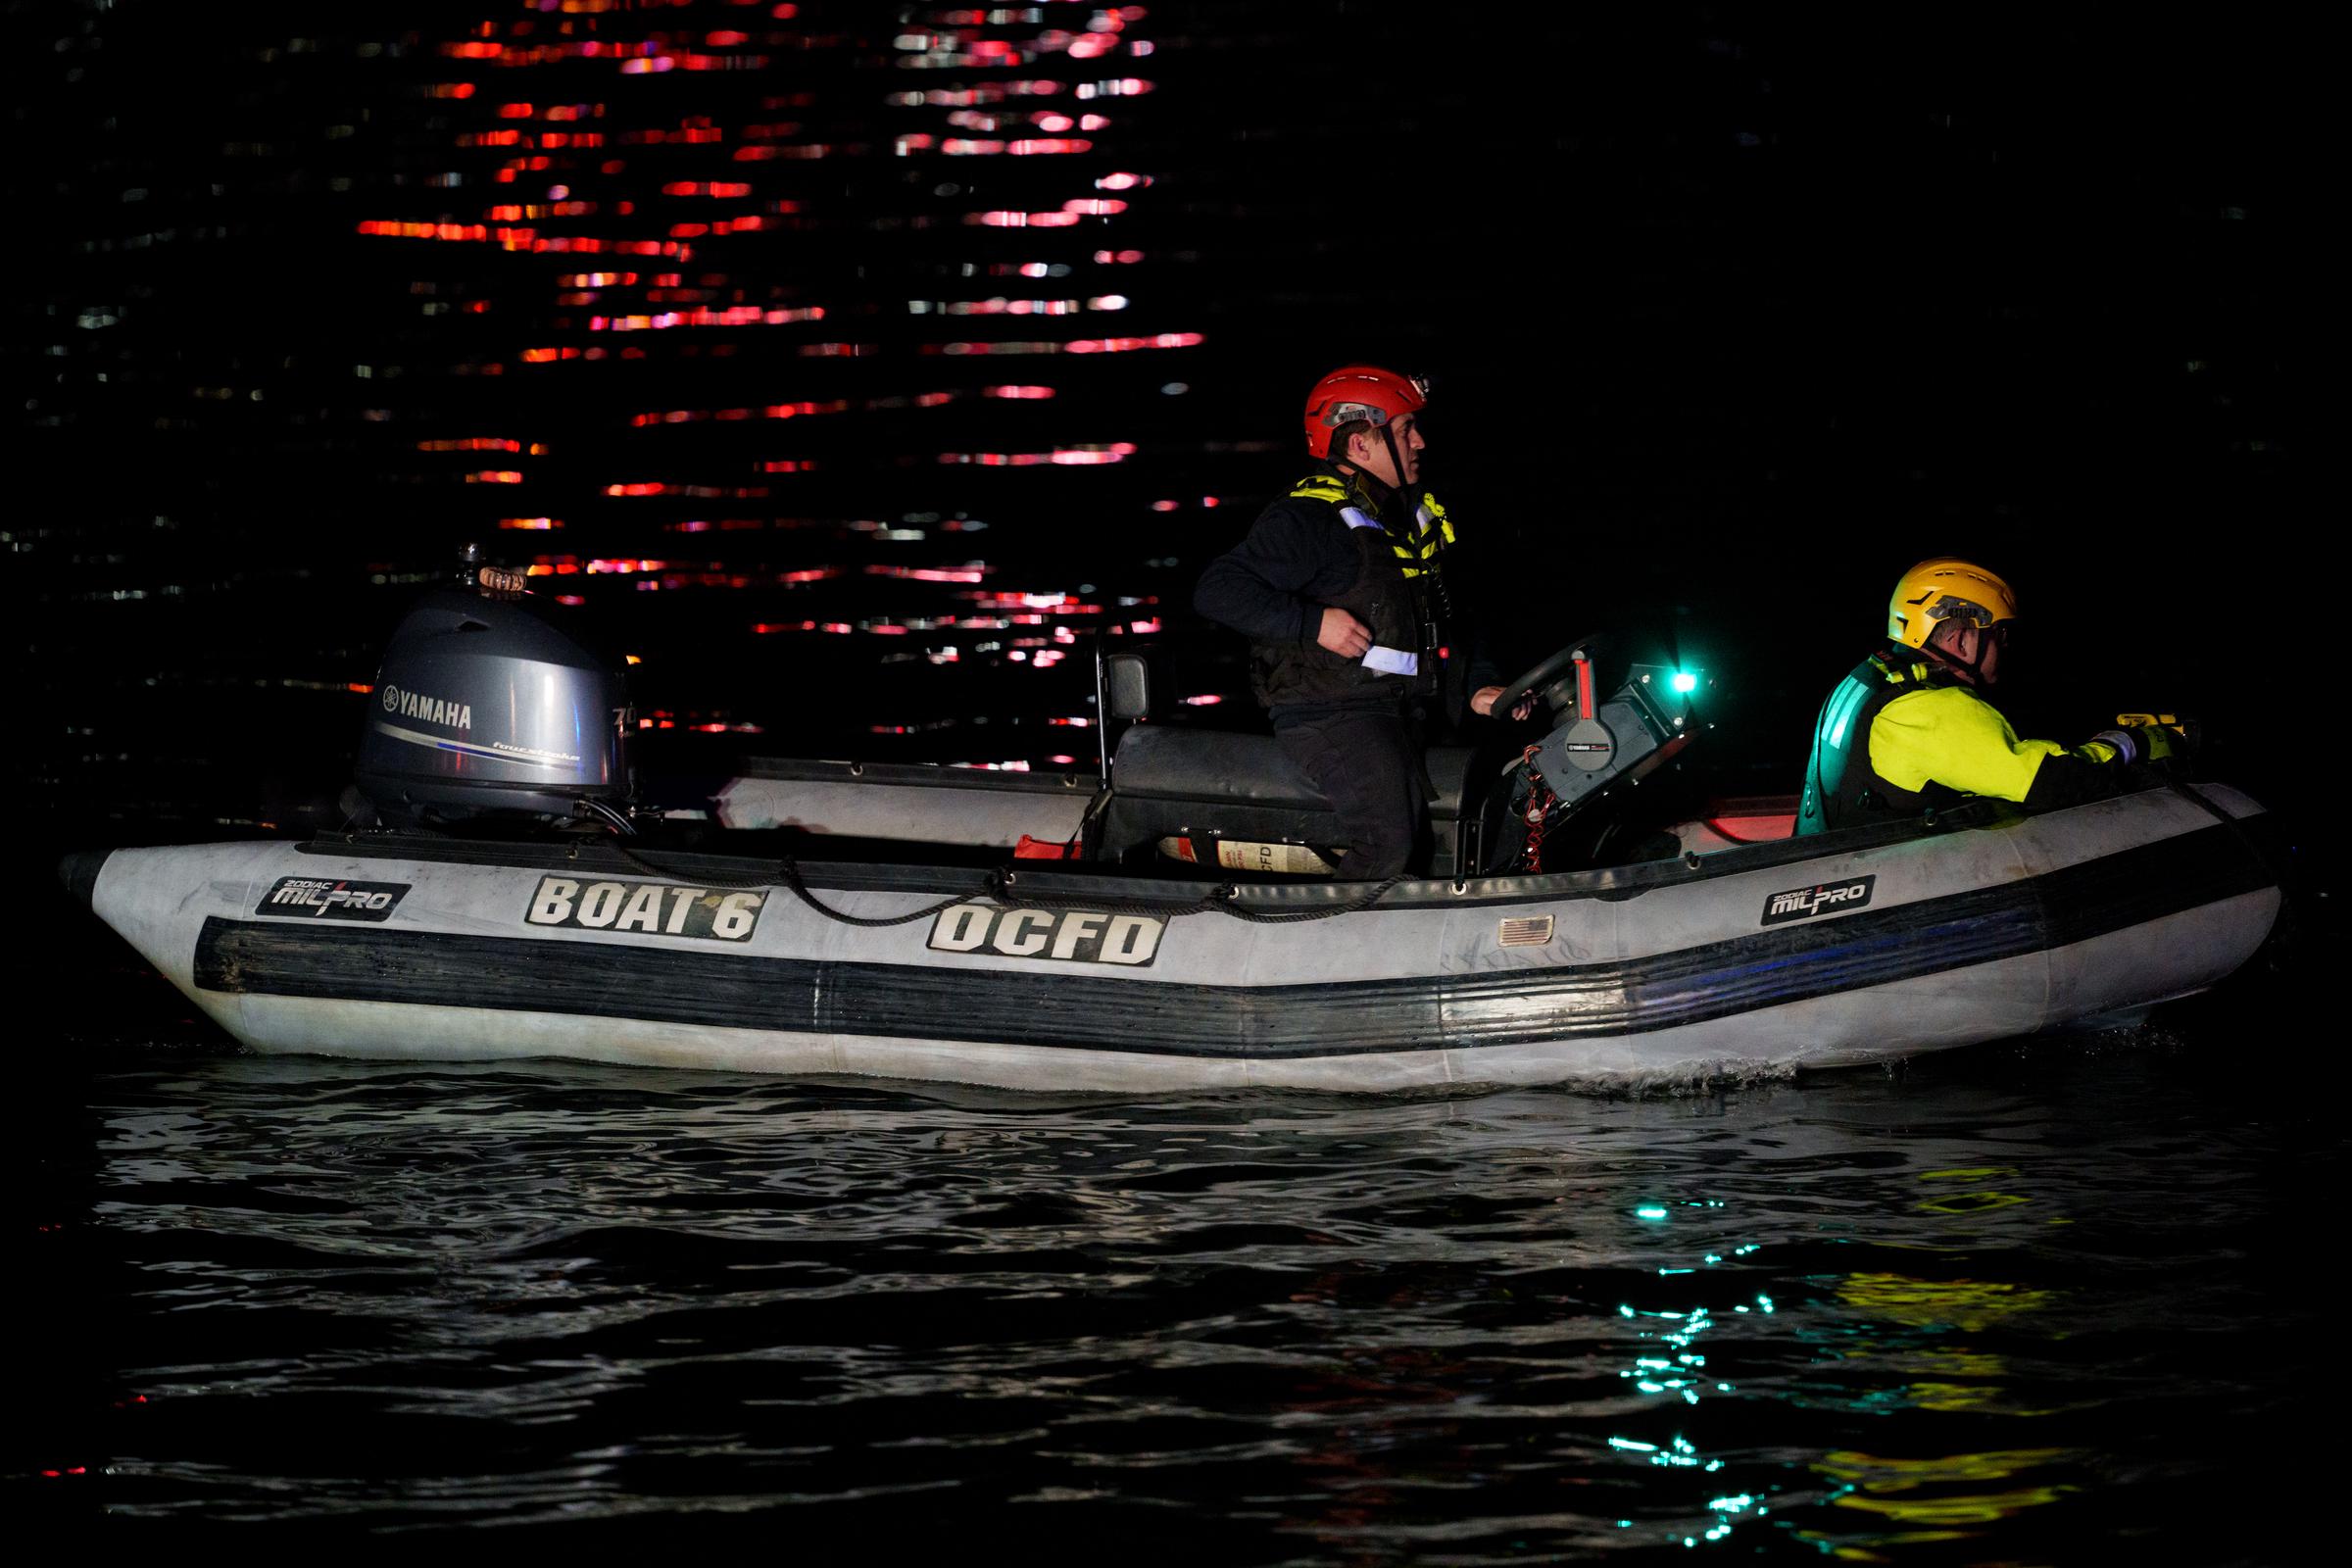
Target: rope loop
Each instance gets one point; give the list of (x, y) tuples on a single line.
[(1223, 898), (789, 874)]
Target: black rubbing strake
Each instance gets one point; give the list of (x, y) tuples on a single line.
[(1057, 1008)]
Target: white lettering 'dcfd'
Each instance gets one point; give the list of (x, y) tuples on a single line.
[(1076, 926), (1011, 940), (962, 928), (1132, 939), (1079, 935)]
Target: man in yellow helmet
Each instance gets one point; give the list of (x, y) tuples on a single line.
[(1910, 728)]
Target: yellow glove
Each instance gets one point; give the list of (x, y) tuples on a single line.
[(2180, 733), (2141, 738)]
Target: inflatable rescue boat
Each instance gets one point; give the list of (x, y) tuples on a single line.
[(1160, 925)]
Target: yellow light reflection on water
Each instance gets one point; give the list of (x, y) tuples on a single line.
[(1913, 1324), (1962, 1304), (1886, 1487)]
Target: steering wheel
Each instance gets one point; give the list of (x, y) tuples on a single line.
[(1540, 681)]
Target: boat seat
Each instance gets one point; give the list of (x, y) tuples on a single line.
[(1170, 781), (1747, 819)]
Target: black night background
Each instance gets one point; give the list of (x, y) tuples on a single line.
[(856, 367)]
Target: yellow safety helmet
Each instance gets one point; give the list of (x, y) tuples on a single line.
[(1941, 589)]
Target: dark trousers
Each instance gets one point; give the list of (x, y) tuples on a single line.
[(1368, 765)]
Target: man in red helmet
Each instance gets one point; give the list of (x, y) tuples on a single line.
[(1341, 587)]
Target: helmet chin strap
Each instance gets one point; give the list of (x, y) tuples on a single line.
[(1396, 465), (1388, 436), (1973, 669)]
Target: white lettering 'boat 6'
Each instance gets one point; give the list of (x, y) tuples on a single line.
[(1086, 936), (654, 907)]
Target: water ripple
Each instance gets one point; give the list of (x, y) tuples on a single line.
[(1983, 1301)]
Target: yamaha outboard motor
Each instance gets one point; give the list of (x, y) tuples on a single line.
[(485, 710)]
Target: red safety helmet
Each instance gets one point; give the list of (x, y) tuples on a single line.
[(1360, 392)]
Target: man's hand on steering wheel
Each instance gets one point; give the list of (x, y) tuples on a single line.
[(1529, 689), (1482, 703)]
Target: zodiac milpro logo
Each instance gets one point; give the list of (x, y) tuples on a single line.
[(714, 914), (327, 898), (1822, 898), (1086, 936)]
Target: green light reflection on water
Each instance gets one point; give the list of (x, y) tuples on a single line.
[(1678, 1331)]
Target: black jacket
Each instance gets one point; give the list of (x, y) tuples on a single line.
[(1302, 556)]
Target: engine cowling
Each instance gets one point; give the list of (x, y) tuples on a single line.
[(482, 708)]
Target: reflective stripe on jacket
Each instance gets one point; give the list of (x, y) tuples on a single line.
[(1397, 592), (1899, 736)]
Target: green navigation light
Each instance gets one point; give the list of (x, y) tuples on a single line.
[(1684, 682)]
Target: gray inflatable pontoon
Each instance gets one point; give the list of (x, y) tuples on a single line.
[(1121, 961), (1848, 948)]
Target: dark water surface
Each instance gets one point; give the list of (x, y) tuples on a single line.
[(1734, 311), (2029, 1302)]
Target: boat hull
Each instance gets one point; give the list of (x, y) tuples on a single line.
[(1825, 953)]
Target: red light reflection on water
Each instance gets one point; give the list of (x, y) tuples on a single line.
[(700, 215), (930, 573), (1067, 457)]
